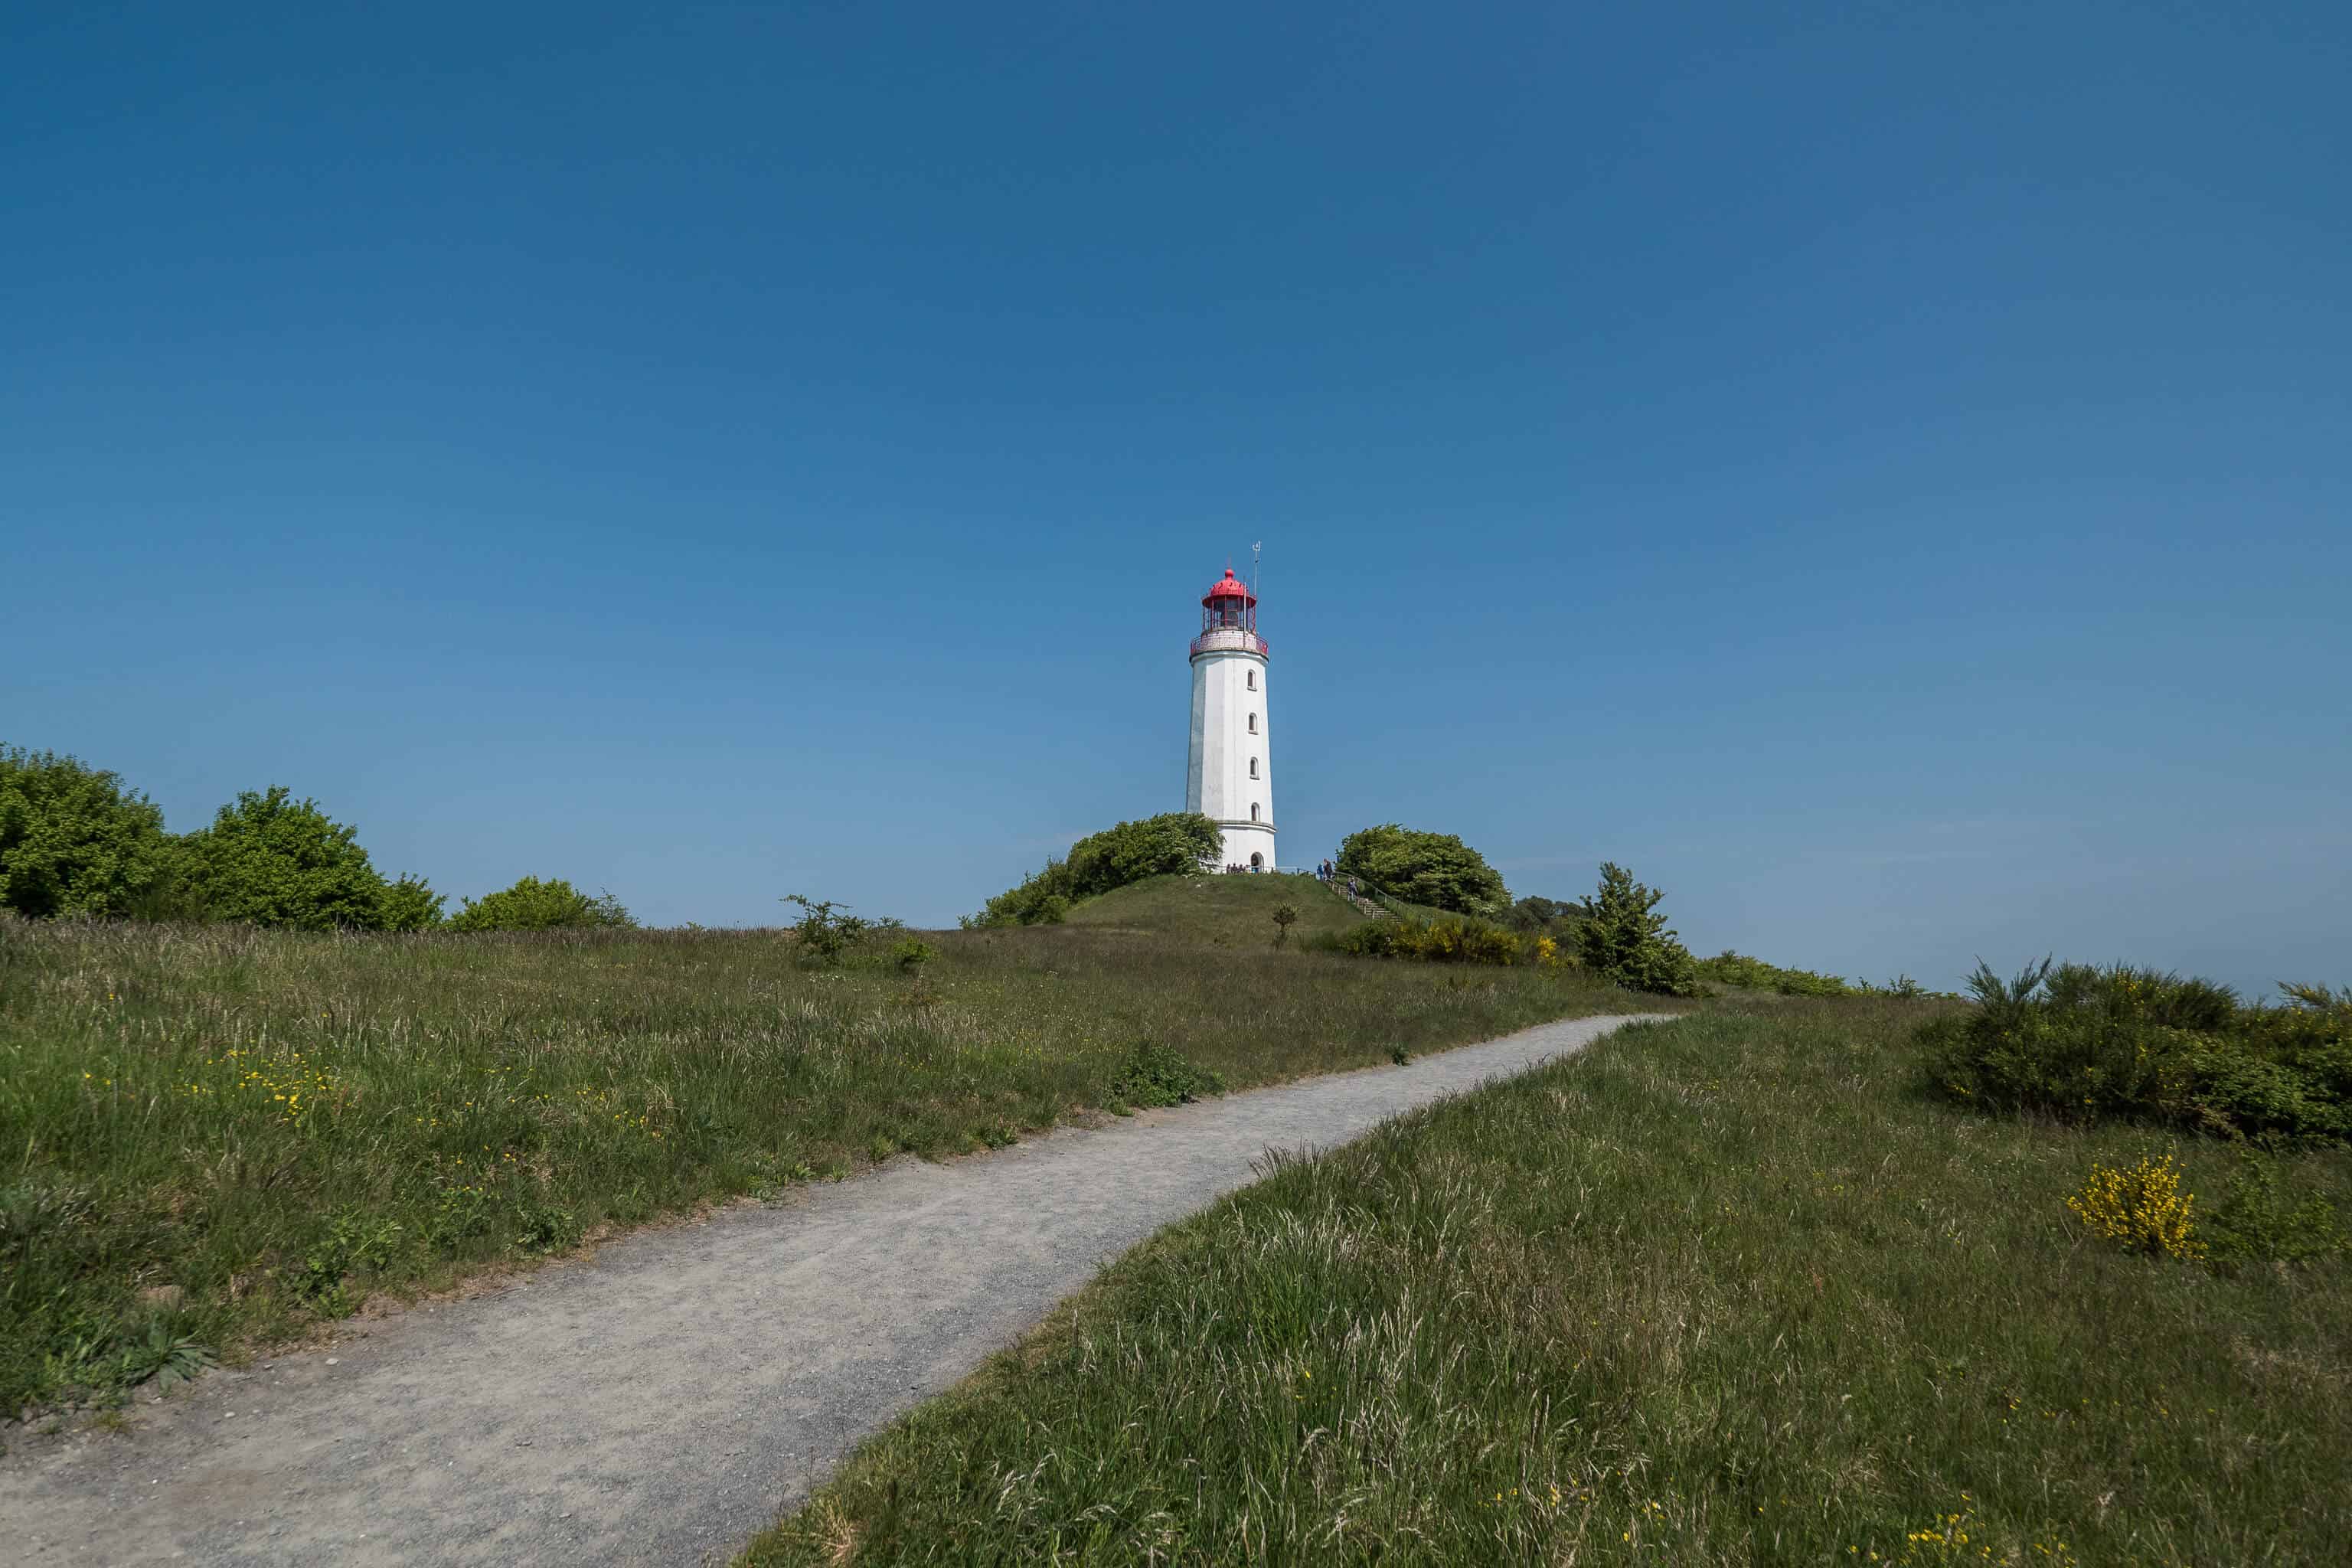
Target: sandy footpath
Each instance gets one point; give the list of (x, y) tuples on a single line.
[(661, 1402)]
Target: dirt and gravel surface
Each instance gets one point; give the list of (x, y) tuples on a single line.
[(661, 1402)]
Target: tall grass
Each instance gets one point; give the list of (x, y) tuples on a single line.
[(215, 1134), (1733, 1289)]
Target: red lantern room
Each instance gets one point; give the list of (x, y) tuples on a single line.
[(1230, 606)]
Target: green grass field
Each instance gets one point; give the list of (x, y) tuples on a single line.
[(1733, 1289), (216, 1135)]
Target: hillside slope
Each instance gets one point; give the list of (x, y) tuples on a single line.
[(1235, 911)]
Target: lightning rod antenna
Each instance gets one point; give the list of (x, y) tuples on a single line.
[(1255, 548)]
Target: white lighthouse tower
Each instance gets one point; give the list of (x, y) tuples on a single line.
[(1230, 778)]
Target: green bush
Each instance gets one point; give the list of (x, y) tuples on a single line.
[(826, 929), (1737, 969), (271, 861), (1534, 916), (1436, 870), (1127, 853), (1155, 1075), (74, 840), (410, 905), (1623, 938), (2255, 1223), (532, 904), (1452, 940), (2088, 1043)]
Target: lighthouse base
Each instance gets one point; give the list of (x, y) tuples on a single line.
[(1248, 847)]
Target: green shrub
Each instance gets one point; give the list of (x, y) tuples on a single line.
[(532, 904), (911, 954), (2255, 1223), (269, 859), (1737, 969), (1623, 938), (1155, 1075), (2087, 1043), (1436, 870), (410, 905), (1532, 916), (1115, 857), (74, 840), (1452, 940), (826, 929)]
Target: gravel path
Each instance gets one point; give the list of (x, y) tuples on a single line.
[(658, 1404)]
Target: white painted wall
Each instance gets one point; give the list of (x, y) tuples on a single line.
[(1217, 778)]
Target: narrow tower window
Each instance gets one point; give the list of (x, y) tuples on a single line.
[(1252, 724), (1253, 680), (1253, 767), (1253, 810)]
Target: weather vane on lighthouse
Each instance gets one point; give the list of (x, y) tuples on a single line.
[(1230, 777)]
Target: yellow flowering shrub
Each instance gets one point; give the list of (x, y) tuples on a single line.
[(2143, 1207)]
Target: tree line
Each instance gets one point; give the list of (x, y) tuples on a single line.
[(77, 842)]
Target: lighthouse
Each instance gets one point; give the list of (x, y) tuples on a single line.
[(1230, 778)]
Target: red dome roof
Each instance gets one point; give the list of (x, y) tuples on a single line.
[(1228, 587)]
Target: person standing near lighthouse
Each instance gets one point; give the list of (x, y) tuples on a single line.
[(1230, 778)]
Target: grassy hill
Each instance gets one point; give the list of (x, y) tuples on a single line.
[(1217, 911)]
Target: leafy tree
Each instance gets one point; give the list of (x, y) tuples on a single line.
[(1623, 938), (410, 905), (1433, 868), (535, 905), (1285, 916), (73, 840), (1535, 914), (271, 861), (1131, 851)]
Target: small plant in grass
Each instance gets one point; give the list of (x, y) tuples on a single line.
[(161, 1356), (352, 1242), (1285, 916), (462, 1213), (911, 954), (544, 1230), (2144, 1208), (1154, 1075)]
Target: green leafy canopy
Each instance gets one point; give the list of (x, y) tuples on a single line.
[(1623, 938), (532, 904), (269, 859), (1436, 870), (74, 840)]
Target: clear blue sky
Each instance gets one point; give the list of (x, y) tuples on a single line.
[(1883, 473)]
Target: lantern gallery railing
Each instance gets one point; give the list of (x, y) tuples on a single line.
[(1221, 638)]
